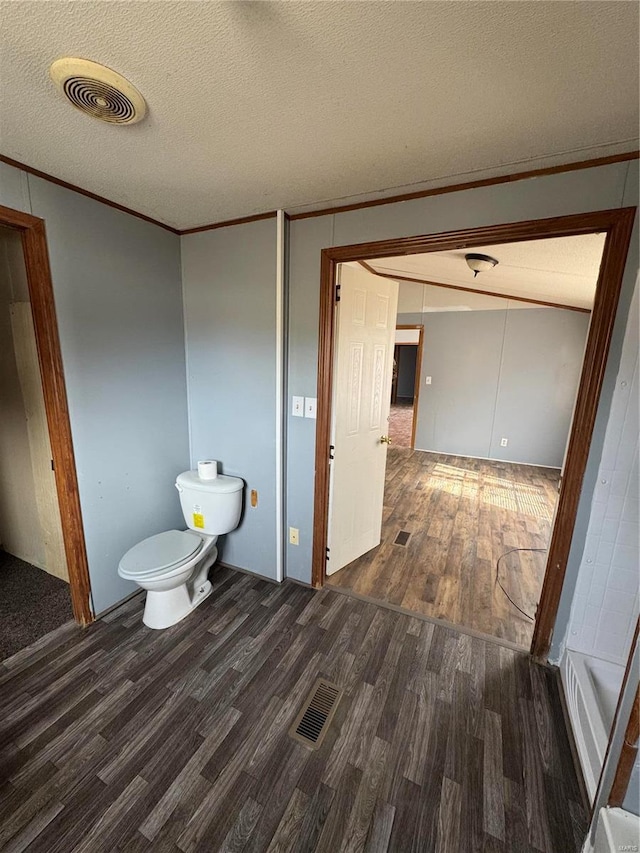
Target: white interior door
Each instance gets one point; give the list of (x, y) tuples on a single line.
[(363, 366)]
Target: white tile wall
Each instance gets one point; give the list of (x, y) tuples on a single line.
[(606, 600)]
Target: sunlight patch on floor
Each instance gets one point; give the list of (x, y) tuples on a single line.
[(494, 491)]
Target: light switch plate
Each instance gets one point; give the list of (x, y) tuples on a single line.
[(297, 407), (428, 380), (310, 407)]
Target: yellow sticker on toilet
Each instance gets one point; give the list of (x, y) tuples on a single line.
[(198, 519)]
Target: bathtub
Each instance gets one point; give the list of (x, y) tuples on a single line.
[(616, 830), (591, 688)]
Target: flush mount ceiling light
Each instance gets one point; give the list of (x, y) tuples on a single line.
[(480, 263), (98, 91)]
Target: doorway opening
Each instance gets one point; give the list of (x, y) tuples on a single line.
[(44, 576), (33, 568), (405, 384), (509, 490)]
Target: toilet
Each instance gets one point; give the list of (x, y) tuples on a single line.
[(173, 566)]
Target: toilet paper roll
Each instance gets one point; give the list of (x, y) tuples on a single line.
[(208, 469)]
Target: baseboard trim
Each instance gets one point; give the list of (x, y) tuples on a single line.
[(300, 583), (488, 459), (120, 603), (249, 572)]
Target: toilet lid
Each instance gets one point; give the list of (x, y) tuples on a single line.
[(161, 552)]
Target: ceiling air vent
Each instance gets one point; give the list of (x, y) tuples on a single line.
[(98, 91)]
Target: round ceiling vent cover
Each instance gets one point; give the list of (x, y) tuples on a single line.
[(98, 91)]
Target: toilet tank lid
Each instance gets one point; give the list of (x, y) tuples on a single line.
[(222, 484)]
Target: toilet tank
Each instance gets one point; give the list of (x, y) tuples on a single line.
[(210, 506)]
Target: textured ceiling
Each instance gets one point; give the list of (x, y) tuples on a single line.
[(562, 270), (259, 105)]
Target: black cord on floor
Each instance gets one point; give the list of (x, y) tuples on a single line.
[(506, 554)]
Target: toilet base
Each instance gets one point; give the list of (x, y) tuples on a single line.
[(167, 607), (164, 609)]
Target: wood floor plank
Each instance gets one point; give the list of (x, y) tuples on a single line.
[(426, 829), (493, 805), (332, 833), (516, 832), (449, 817), (380, 828), (471, 806), (358, 826), (285, 837), (22, 840), (237, 837), (178, 741), (180, 787), (317, 811), (407, 807), (103, 835), (534, 784)]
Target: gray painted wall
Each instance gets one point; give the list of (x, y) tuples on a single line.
[(539, 377), (307, 237), (495, 374), (600, 188), (229, 280), (461, 353), (117, 290)]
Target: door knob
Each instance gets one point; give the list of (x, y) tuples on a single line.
[(384, 439)]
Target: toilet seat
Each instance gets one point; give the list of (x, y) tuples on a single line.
[(160, 554)]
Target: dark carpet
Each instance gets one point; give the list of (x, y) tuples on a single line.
[(32, 603)]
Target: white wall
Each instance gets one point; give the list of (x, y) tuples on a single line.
[(117, 290), (605, 604)]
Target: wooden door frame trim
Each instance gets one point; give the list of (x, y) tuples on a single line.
[(36, 257), (618, 224), (416, 384), (629, 749), (628, 755)]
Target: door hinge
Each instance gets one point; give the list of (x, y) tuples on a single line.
[(331, 449), (53, 467), (338, 292), (327, 555)]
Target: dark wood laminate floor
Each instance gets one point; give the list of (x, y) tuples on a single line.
[(126, 739), (462, 514)]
